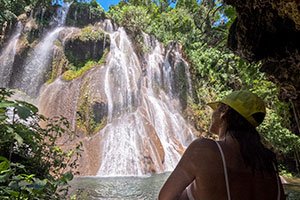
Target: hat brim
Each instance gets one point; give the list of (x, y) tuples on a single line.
[(213, 105)]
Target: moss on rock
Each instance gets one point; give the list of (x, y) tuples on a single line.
[(89, 45), (91, 115), (59, 63)]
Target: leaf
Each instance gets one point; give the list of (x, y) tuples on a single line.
[(18, 138), (4, 165), (23, 112), (29, 106), (38, 184), (230, 13), (68, 176), (3, 158), (5, 177), (2, 117), (6, 104), (58, 149), (12, 193)]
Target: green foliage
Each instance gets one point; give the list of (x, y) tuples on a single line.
[(134, 19), (86, 118), (176, 25), (86, 47), (90, 34), (75, 72), (96, 9), (231, 15), (82, 13), (217, 73), (9, 10), (282, 141), (32, 164)]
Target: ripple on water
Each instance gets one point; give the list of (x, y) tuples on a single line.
[(111, 188), (137, 188)]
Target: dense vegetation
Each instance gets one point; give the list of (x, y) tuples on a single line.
[(32, 163), (11, 10)]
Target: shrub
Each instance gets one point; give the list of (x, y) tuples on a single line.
[(32, 164)]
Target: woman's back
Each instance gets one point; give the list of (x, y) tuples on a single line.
[(243, 183)]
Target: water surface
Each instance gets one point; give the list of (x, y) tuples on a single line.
[(137, 188), (111, 188)]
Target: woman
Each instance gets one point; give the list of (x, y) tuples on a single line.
[(237, 166)]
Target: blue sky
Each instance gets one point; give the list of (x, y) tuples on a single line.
[(106, 3)]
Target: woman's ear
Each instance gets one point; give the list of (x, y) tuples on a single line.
[(224, 111)]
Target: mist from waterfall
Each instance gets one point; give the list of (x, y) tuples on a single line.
[(7, 56), (37, 65)]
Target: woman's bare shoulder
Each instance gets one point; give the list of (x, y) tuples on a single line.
[(202, 143), (202, 146)]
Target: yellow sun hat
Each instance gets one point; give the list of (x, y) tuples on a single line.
[(245, 103)]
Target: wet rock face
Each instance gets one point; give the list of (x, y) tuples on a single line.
[(100, 110), (269, 31), (78, 51)]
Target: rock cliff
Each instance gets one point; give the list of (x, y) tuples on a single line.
[(269, 31)]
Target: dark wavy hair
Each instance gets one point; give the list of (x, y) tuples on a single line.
[(254, 153)]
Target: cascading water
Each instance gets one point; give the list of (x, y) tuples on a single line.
[(171, 128), (36, 66), (8, 56), (180, 61), (145, 132), (61, 14)]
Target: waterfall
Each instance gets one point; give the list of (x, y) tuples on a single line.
[(108, 26), (179, 60), (37, 65), (168, 122), (121, 155), (61, 14), (145, 132), (7, 56), (120, 76)]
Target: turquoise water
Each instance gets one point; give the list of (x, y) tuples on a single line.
[(136, 188), (112, 188)]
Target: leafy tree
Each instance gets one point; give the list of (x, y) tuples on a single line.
[(9, 10), (32, 164)]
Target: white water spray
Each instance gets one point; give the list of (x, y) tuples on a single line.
[(7, 57), (36, 66), (145, 132)]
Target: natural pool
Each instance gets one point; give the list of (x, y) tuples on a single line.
[(111, 188), (136, 188)]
